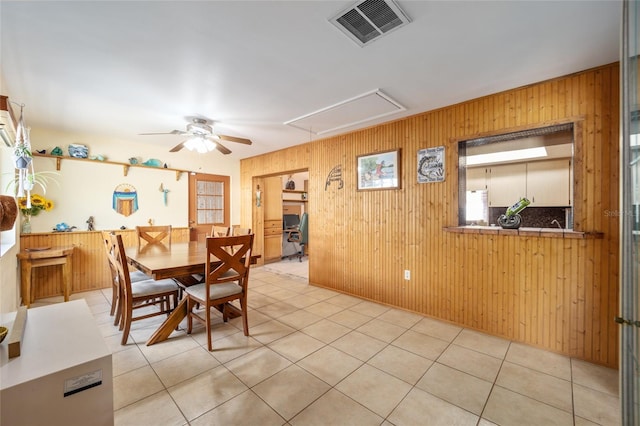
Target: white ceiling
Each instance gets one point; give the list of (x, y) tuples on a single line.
[(121, 68)]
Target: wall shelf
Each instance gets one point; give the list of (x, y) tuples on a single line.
[(302, 198), (125, 166)]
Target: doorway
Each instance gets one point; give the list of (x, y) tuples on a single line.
[(283, 200)]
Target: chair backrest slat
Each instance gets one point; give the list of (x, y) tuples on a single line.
[(233, 258), (106, 240), (219, 231), (118, 259), (158, 234), (304, 228), (236, 230)]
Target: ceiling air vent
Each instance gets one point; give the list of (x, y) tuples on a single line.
[(368, 20)]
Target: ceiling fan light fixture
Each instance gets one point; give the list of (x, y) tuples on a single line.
[(200, 144), (199, 127)]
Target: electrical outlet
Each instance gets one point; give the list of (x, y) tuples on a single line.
[(407, 274)]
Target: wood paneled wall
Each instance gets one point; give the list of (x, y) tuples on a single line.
[(560, 294), (90, 271)]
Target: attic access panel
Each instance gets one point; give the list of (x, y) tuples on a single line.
[(360, 109)]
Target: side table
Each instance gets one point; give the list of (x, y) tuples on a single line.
[(35, 258)]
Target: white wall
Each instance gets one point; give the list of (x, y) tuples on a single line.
[(86, 187), (9, 240)]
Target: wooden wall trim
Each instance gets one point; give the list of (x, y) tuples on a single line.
[(556, 293), (90, 271)]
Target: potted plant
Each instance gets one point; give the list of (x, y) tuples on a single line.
[(22, 156), (30, 206)]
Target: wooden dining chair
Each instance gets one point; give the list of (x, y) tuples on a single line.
[(136, 295), (116, 290), (237, 230), (157, 234), (219, 231), (226, 279)]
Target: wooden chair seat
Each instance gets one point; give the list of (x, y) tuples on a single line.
[(199, 291)]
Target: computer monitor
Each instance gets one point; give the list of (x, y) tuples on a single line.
[(290, 221)]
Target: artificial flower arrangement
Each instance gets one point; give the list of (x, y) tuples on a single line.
[(35, 206)]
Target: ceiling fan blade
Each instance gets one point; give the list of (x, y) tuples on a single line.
[(223, 149), (234, 139), (177, 147), (173, 132)]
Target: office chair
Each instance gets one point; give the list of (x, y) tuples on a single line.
[(300, 236)]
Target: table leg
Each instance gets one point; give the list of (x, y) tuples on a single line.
[(66, 277), (170, 324), (26, 279)]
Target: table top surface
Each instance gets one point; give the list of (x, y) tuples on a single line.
[(178, 259), (159, 259)]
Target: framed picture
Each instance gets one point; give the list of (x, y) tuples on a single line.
[(380, 170), (431, 165)]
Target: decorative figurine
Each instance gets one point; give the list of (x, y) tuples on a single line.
[(41, 151), (164, 191), (90, 224), (152, 162), (57, 151), (291, 185), (63, 227), (511, 219)]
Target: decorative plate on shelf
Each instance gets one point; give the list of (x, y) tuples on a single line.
[(78, 151)]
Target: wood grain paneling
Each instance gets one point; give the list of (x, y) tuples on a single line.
[(559, 294), (90, 271)]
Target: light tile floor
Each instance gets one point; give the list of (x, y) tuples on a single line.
[(317, 357), (293, 266)]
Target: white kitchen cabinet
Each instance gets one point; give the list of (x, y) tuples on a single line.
[(476, 178), (507, 184), (549, 183), (545, 183)]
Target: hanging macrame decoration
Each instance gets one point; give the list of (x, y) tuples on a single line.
[(125, 199), (23, 161)]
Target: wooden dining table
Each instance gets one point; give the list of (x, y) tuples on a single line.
[(179, 261)]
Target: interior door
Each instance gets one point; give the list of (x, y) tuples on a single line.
[(208, 204), (272, 218)]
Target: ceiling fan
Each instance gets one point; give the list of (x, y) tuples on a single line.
[(201, 137)]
